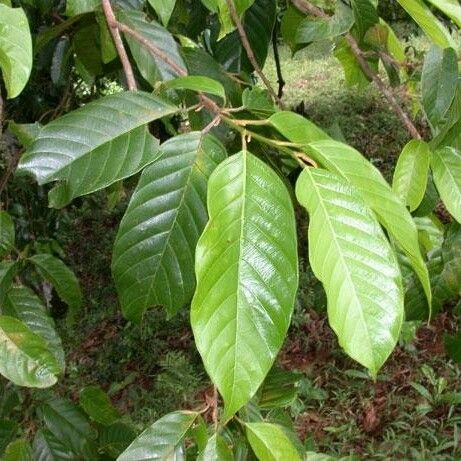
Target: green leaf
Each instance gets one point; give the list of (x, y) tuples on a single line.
[(247, 277), (116, 438), (365, 14), (160, 441), (96, 145), (19, 450), (452, 345), (297, 128), (410, 176), (377, 194), (8, 430), (351, 256), (153, 258), (451, 8), (446, 170), (15, 49), (164, 9), (68, 424), (47, 447), (23, 304), (87, 49), (7, 235), (152, 68), (315, 29), (353, 72), (279, 389), (270, 443), (258, 101), (8, 270), (25, 132), (439, 82), (199, 84), (61, 277), (291, 20), (97, 405), (216, 450), (431, 26), (75, 7), (24, 356)]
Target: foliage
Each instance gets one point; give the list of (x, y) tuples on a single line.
[(211, 221)]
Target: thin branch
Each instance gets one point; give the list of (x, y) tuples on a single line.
[(308, 8), (114, 30), (249, 51), (278, 67)]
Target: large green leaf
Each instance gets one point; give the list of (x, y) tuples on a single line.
[(247, 277), (431, 26), (19, 450), (61, 277), (410, 176), (24, 356), (67, 422), (439, 82), (153, 259), (23, 304), (152, 68), (96, 145), (296, 127), (97, 405), (8, 270), (446, 169), (216, 450), (451, 8), (160, 441), (270, 443), (315, 29), (7, 235), (15, 49), (116, 438), (351, 256), (47, 447)]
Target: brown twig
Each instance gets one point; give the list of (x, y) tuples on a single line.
[(249, 51), (115, 31), (307, 8)]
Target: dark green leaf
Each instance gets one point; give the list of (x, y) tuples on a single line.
[(47, 447), (8, 430), (116, 438), (74, 7), (453, 347), (365, 14), (97, 405), (8, 270), (7, 235), (164, 9)]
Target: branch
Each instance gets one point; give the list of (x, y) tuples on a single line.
[(249, 51), (278, 67), (307, 8), (114, 30)]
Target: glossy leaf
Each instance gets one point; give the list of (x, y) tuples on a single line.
[(351, 256), (24, 356), (24, 305), (19, 450), (270, 443), (247, 277), (7, 234), (439, 82), (160, 441), (61, 277), (312, 30), (431, 26), (97, 405), (153, 259), (96, 145), (164, 9), (198, 83), (297, 128), (216, 450), (8, 270), (410, 176), (451, 8), (446, 169), (151, 68), (15, 49), (25, 132)]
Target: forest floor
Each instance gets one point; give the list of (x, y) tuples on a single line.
[(412, 411)]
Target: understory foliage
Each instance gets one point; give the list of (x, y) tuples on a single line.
[(171, 94)]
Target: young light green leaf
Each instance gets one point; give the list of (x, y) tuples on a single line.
[(97, 405), (160, 441), (19, 450), (23, 304), (7, 234), (97, 144), (351, 256), (247, 277), (153, 258), (270, 443), (61, 277), (151, 68), (24, 356), (15, 49), (446, 170), (164, 9), (297, 128), (199, 84), (312, 30), (439, 81), (216, 450), (451, 8), (410, 176), (431, 26), (8, 270)]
